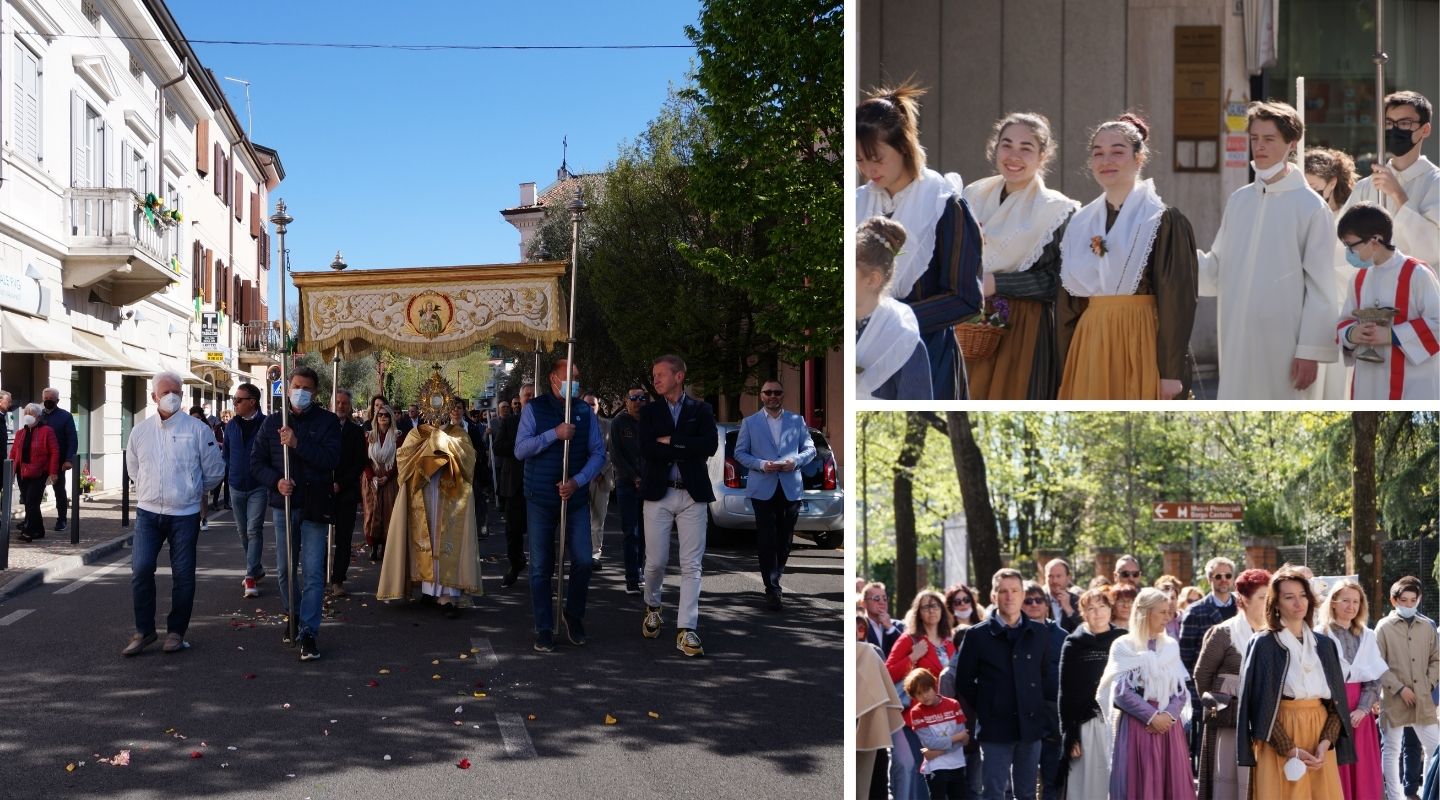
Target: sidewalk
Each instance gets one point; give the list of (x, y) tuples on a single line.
[(100, 535)]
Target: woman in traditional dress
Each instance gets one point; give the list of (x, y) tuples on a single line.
[(1331, 173), (1292, 726), (1342, 617), (1087, 741), (1128, 280), (890, 360), (1145, 681), (938, 274), (1217, 669), (1022, 222), (377, 486)]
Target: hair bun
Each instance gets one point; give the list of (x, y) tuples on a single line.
[(1139, 123), (888, 229)]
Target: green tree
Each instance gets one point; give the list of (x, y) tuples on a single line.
[(771, 83)]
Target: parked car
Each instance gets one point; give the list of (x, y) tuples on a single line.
[(822, 506)]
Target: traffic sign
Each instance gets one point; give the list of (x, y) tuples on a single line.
[(1197, 512), (277, 389)]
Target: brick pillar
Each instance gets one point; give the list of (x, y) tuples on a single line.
[(1178, 561), (1260, 552), (1105, 561), (1043, 555)]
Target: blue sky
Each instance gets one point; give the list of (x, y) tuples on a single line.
[(404, 158)]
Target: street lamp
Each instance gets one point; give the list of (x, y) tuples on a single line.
[(577, 210), (282, 220)]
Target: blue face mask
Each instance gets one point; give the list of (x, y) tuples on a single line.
[(1406, 612), (300, 398), (570, 388), (1355, 261)]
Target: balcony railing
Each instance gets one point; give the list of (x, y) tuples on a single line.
[(114, 218), (260, 336)]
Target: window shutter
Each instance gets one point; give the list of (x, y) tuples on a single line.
[(202, 153), (257, 307), (237, 301), (254, 215), (228, 194), (219, 170), (237, 197), (79, 169), (207, 279), (264, 249), (127, 163), (197, 254), (27, 101), (107, 135)]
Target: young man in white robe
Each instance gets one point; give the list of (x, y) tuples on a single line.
[(1272, 268), (1408, 187), (1386, 277)]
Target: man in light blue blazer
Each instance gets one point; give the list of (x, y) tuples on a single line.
[(774, 444)]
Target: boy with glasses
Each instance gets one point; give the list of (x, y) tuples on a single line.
[(1408, 186), (247, 496)]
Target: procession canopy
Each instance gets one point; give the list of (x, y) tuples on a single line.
[(430, 312)]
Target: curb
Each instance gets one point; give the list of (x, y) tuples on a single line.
[(31, 578)]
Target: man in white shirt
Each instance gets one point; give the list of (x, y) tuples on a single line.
[(1272, 267), (1408, 186), (174, 460)]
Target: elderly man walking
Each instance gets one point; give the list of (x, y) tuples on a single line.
[(774, 444), (174, 460)]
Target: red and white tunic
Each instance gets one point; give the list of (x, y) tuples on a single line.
[(1410, 370), (934, 725)]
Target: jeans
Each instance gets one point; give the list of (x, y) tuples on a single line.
[(681, 512), (1392, 741), (309, 552), (1010, 763), (151, 532), (774, 528), (1050, 750), (543, 522), (249, 508), (632, 540)]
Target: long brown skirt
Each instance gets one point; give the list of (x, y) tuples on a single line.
[(378, 505), (1023, 366), (1303, 720), (1112, 355)]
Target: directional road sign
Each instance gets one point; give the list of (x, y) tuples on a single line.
[(1197, 512)]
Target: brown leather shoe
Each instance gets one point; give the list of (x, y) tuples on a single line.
[(137, 643), (174, 643)]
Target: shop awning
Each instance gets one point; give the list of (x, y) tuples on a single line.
[(152, 362), (112, 357), (41, 337)]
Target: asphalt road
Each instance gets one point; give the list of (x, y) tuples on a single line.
[(395, 703)]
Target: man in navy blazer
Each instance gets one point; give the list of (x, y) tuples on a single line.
[(66, 438), (774, 444), (677, 436)]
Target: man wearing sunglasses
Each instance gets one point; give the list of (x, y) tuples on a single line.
[(1127, 571), (774, 444), (1208, 611), (629, 467), (247, 496)]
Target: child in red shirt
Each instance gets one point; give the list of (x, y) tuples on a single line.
[(940, 725)]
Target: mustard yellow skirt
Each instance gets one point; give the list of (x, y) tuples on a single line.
[(1112, 354), (1303, 720)]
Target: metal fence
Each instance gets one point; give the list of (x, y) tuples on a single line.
[(1398, 558)]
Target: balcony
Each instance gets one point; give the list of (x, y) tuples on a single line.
[(259, 343), (116, 250)]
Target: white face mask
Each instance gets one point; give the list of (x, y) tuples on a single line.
[(26, 420), (1270, 172), (965, 613), (170, 403)]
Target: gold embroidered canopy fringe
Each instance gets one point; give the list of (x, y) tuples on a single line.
[(430, 312)]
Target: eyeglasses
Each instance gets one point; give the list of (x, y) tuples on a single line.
[(1128, 574), (1352, 245), (384, 414), (637, 398), (773, 392), (1034, 601), (931, 607), (1402, 124), (961, 601), (1221, 576), (240, 398)]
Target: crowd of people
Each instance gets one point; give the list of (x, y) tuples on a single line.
[(1326, 285), (1271, 685), (420, 490)]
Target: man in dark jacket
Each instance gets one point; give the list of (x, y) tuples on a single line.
[(629, 466), (247, 496), (314, 441), (512, 488), (62, 423), (677, 436), (1005, 671), (474, 433), (353, 458)]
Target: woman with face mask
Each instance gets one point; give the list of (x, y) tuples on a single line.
[(1127, 276), (37, 463)]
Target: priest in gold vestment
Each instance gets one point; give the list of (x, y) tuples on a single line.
[(431, 541)]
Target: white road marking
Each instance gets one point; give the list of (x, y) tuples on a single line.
[(16, 616), (516, 738), (99, 573), (485, 657)]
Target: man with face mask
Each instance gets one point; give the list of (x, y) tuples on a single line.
[(1272, 268), (313, 437), (59, 420), (540, 444), (37, 463), (1408, 186), (174, 460)]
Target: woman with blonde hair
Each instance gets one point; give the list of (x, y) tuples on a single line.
[(1128, 275), (891, 362), (1022, 222), (377, 486), (1188, 595), (1342, 617), (938, 273), (1145, 681)]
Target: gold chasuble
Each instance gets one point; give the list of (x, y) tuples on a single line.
[(448, 555)]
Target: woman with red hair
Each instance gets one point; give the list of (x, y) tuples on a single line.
[(1218, 670)]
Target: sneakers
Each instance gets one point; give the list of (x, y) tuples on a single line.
[(544, 642), (251, 589), (308, 650), (60, 525), (137, 643), (204, 524), (632, 588), (651, 627), (574, 629), (688, 642)]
